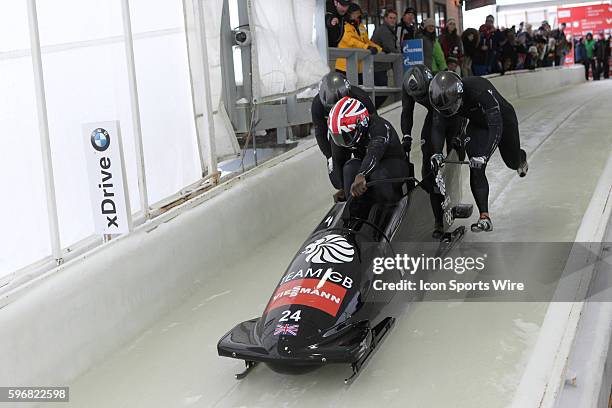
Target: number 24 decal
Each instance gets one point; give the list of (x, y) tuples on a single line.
[(286, 316)]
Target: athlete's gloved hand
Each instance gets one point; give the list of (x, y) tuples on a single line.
[(359, 185), (407, 145), (478, 162), (373, 50), (330, 165), (437, 162), (339, 196)]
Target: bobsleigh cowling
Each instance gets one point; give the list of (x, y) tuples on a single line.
[(324, 310)]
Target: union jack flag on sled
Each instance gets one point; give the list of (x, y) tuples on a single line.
[(286, 329)]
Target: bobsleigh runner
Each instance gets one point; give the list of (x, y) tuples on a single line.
[(324, 310)]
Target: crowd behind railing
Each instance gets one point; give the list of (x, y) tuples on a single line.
[(488, 50)]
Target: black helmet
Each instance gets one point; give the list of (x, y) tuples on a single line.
[(446, 92), (332, 88), (416, 81)]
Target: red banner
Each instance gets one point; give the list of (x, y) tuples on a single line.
[(322, 295), (586, 19)]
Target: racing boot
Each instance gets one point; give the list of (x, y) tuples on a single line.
[(484, 224), (437, 162), (438, 231), (436, 205), (523, 167), (407, 145)]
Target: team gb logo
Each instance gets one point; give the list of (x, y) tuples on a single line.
[(332, 248)]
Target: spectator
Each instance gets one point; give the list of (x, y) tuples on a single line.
[(499, 36), (432, 51), (532, 61), (487, 30), (384, 35), (602, 56), (508, 51), (407, 28), (453, 65), (525, 37), (579, 50), (607, 74), (522, 50), (545, 27), (451, 42), (334, 20), (541, 43), (562, 46), (355, 36), (471, 51), (550, 49), (589, 45)]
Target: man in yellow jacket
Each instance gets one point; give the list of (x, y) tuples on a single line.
[(355, 36)]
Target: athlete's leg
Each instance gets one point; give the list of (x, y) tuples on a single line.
[(388, 169), (477, 138), (428, 177), (340, 157), (510, 143)]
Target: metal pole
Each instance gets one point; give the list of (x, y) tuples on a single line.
[(212, 151), (131, 67), (191, 39), (319, 23), (43, 131)]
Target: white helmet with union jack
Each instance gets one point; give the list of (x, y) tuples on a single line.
[(348, 122)]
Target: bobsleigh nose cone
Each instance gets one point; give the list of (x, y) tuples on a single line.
[(294, 369)]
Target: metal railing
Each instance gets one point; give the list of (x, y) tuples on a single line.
[(356, 56), (285, 111)]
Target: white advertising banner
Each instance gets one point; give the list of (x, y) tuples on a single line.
[(110, 201)]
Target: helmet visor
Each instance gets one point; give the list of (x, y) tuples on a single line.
[(343, 139), (450, 109)]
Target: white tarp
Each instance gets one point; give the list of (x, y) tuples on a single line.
[(225, 138), (286, 57)]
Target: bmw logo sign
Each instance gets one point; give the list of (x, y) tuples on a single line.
[(100, 139)]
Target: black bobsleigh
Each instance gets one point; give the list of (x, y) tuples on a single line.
[(324, 310)]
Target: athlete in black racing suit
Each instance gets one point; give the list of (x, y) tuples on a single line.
[(415, 90), (377, 153), (492, 123), (333, 87)]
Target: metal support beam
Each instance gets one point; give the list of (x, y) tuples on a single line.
[(247, 74), (135, 107), (320, 29), (195, 73), (228, 76), (43, 131), (208, 112)]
